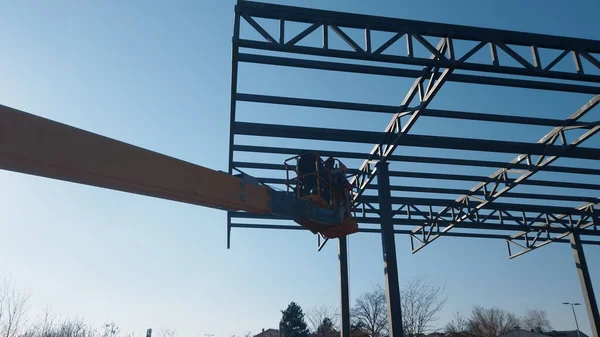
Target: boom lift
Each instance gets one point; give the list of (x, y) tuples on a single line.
[(317, 194)]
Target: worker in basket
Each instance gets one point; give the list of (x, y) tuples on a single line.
[(307, 177), (339, 184)]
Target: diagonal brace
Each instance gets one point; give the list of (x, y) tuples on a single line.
[(490, 196)]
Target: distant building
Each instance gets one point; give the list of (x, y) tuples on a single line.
[(539, 333), (437, 334), (275, 333)]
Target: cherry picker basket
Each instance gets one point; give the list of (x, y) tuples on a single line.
[(325, 184)]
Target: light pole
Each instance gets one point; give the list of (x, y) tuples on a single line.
[(574, 316)]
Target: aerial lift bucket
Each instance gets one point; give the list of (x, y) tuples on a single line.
[(321, 192)]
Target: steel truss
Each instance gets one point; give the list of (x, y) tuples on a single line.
[(435, 54)]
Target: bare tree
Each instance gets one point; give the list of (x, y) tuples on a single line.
[(75, 327), (316, 315), (13, 307), (490, 322), (47, 322), (111, 329), (70, 327), (422, 301), (370, 312), (457, 325), (535, 319), (164, 332)]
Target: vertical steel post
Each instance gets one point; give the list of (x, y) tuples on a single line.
[(586, 284), (234, 75), (345, 293), (389, 252)]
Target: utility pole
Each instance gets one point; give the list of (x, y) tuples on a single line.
[(574, 316)]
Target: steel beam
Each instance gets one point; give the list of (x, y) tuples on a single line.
[(351, 20), (586, 284), (415, 159), (493, 221), (389, 253), (556, 229), (389, 109), (419, 30), (463, 177), (477, 235), (558, 226), (399, 72), (498, 187), (371, 216), (344, 288), (418, 189), (494, 67), (438, 142)]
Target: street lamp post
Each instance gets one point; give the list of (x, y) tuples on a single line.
[(574, 316)]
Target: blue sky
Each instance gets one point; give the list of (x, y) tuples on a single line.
[(157, 75)]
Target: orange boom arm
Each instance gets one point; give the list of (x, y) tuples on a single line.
[(38, 146)]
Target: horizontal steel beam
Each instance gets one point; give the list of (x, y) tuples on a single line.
[(414, 159), (369, 137), (492, 206), (413, 60), (389, 109), (396, 231), (493, 226), (361, 21), (419, 189), (463, 177), (397, 72), (493, 221), (417, 32)]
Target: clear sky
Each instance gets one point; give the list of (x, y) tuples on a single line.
[(157, 74)]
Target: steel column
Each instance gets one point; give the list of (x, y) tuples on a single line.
[(344, 289), (389, 252), (234, 75), (586, 284)]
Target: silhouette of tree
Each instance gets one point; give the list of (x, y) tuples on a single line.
[(316, 315), (370, 312), (326, 329), (292, 321), (490, 322), (13, 307), (535, 319), (457, 325), (422, 301)]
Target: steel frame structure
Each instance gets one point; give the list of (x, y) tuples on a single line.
[(476, 213)]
